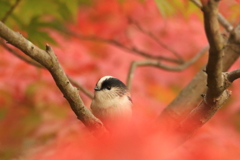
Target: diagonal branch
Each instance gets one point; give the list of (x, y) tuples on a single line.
[(36, 64), (49, 60)]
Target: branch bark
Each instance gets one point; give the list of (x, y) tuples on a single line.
[(36, 64), (221, 19), (233, 75), (214, 67), (49, 60), (190, 96), (217, 81)]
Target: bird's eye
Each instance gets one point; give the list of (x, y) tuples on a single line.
[(109, 87)]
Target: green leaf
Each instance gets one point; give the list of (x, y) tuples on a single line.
[(37, 32), (165, 7), (34, 8), (3, 112), (234, 12), (30, 122), (172, 7), (4, 7), (37, 17), (191, 8)]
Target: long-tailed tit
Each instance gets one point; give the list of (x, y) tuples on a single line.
[(112, 102)]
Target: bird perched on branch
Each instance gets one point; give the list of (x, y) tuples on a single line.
[(112, 103)]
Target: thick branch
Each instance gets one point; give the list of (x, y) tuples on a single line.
[(199, 116), (190, 96), (217, 93), (49, 60), (196, 119), (214, 65), (221, 19), (217, 82), (36, 64)]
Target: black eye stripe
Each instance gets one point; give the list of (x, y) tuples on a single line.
[(113, 82)]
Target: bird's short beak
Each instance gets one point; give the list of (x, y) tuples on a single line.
[(96, 89)]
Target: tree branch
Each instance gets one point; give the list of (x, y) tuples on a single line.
[(218, 82), (158, 64), (190, 96), (214, 65), (233, 75), (49, 60), (199, 116), (36, 64)]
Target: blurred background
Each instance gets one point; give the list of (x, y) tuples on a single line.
[(94, 38)]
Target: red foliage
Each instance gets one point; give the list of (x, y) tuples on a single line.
[(141, 142), (37, 112)]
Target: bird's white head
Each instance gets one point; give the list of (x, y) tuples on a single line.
[(109, 87)]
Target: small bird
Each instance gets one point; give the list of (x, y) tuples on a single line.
[(112, 103)]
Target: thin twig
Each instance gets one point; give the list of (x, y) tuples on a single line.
[(23, 58), (122, 46), (80, 87), (157, 64), (157, 40), (233, 75), (214, 67), (9, 12)]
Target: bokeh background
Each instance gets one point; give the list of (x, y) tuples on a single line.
[(36, 122)]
